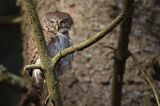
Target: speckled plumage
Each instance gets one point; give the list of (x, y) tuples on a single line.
[(56, 39)]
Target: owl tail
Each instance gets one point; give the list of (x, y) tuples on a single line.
[(37, 81)]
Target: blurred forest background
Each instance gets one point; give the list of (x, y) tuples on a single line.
[(88, 83)]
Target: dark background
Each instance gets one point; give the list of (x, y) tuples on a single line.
[(10, 50)]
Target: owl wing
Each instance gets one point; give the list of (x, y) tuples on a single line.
[(36, 74), (32, 48)]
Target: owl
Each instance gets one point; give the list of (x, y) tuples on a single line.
[(56, 26)]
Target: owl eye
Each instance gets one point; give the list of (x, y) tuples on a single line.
[(63, 24), (52, 21)]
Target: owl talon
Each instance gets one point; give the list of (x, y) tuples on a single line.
[(47, 100)]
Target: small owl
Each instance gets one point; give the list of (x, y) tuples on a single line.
[(56, 26)]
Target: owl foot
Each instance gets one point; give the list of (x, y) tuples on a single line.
[(47, 100)]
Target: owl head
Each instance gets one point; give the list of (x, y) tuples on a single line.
[(56, 22)]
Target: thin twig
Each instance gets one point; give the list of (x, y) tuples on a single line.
[(153, 89), (146, 79), (10, 19), (33, 66)]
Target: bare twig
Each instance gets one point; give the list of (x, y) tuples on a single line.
[(153, 89), (10, 19), (147, 79), (33, 66)]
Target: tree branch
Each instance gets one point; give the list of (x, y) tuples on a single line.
[(10, 19), (121, 53), (33, 66), (37, 30), (15, 81), (48, 70)]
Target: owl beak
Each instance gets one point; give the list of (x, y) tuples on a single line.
[(56, 28)]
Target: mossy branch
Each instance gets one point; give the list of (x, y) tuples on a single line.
[(33, 66), (49, 63), (37, 31), (121, 53), (46, 63)]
